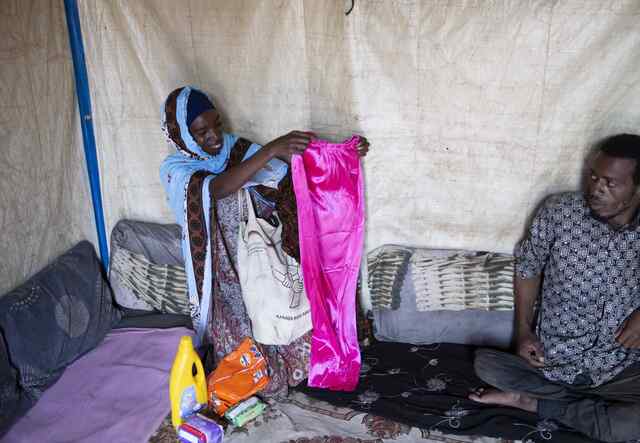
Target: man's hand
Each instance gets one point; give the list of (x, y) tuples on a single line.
[(530, 348), (628, 334), (289, 144), (363, 146)]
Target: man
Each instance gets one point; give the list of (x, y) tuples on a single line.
[(580, 364)]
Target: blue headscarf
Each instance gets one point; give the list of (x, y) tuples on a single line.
[(175, 174)]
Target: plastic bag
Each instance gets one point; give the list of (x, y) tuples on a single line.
[(239, 375)]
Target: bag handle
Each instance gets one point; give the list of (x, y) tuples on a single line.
[(240, 193), (251, 216), (251, 221), (251, 211)]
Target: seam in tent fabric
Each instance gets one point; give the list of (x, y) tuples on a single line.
[(88, 137)]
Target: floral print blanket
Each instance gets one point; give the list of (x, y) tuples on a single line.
[(406, 394), (303, 419), (427, 387)]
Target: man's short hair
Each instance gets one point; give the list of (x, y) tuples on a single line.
[(624, 146)]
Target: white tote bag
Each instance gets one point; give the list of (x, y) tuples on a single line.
[(271, 281)]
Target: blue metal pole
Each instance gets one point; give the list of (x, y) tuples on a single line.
[(84, 103)]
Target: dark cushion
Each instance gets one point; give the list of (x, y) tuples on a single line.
[(14, 401), (58, 315), (132, 318)]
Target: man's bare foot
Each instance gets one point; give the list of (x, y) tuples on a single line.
[(493, 396)]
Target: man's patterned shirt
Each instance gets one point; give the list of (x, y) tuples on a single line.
[(591, 283)]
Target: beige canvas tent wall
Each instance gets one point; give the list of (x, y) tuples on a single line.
[(475, 109), (45, 205)]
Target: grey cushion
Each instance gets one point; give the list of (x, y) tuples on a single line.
[(58, 315), (159, 243), (387, 267), (457, 280), (147, 270), (405, 323)]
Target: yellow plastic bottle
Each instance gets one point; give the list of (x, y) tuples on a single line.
[(187, 383)]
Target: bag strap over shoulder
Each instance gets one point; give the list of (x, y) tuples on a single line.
[(240, 193), (251, 212)]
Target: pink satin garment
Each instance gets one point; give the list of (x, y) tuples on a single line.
[(328, 185)]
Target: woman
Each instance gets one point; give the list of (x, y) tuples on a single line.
[(201, 181)]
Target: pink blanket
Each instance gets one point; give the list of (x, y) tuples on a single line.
[(329, 192), (119, 392)]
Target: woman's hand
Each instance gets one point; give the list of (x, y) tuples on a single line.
[(289, 144), (363, 146)]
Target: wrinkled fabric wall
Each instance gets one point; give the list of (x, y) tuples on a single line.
[(45, 205), (475, 109)]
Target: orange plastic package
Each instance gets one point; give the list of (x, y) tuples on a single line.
[(239, 375)]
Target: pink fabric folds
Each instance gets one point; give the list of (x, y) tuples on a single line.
[(328, 184)]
